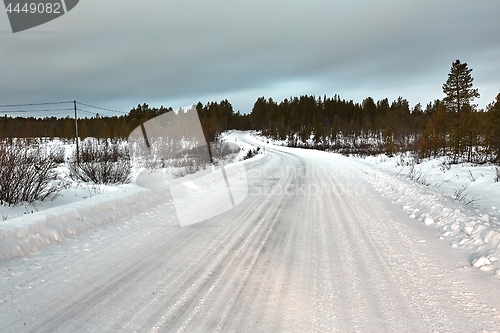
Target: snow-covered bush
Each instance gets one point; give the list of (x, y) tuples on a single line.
[(26, 173), (57, 153), (445, 165), (101, 163), (223, 151), (180, 156), (251, 153)]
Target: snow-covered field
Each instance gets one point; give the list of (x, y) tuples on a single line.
[(73, 191), (462, 200), (321, 243)]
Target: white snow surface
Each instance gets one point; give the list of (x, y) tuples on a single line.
[(322, 243), (469, 222), (29, 233)]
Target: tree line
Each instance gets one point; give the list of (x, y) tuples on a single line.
[(453, 126), (215, 118)]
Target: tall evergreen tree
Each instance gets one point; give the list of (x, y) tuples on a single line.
[(493, 128), (469, 123), (458, 88)]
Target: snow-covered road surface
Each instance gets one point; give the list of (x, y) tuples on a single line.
[(313, 248)]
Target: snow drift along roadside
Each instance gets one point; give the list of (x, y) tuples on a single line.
[(27, 234), (464, 227)]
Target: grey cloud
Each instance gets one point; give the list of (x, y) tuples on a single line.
[(117, 52)]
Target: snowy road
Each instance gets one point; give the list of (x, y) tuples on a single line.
[(313, 248)]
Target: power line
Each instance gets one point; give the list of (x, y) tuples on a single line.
[(53, 110), (33, 104), (94, 113), (37, 110), (97, 107)]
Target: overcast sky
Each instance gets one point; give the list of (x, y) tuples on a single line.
[(119, 53)]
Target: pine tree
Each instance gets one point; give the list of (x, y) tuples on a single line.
[(435, 133), (458, 88), (282, 130), (469, 123), (493, 128), (82, 130), (124, 129), (68, 129), (430, 140), (390, 148)]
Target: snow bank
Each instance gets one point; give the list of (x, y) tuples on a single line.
[(29, 233), (26, 234), (464, 226)]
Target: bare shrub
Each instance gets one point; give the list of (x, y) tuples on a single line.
[(57, 153), (101, 163), (461, 195), (417, 176), (26, 173), (223, 152), (445, 165), (471, 177)]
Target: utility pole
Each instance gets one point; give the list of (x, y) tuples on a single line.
[(76, 130)]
